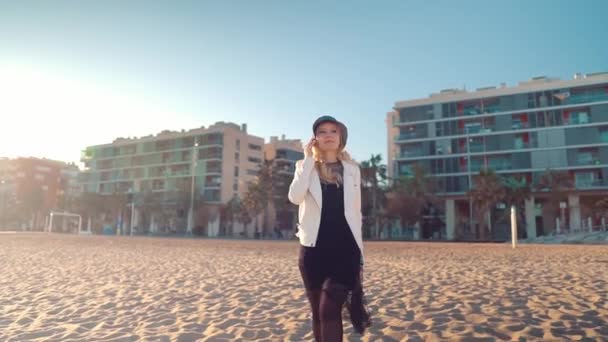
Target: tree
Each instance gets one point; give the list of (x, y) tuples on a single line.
[(90, 206), (557, 185), (602, 207), (32, 204), (229, 214), (487, 191), (243, 216), (116, 204), (256, 200), (281, 179), (150, 205), (373, 180), (410, 196), (517, 191)]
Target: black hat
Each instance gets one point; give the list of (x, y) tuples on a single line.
[(328, 118)]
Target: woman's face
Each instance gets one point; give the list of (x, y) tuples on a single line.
[(328, 137)]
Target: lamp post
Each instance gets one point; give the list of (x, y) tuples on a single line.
[(192, 182), (131, 197), (470, 178)]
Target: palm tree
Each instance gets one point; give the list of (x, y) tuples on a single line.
[(256, 200), (410, 196), (402, 205), (602, 206), (230, 213), (90, 206), (116, 204), (33, 203), (151, 205), (557, 185), (487, 191), (517, 191), (280, 188), (373, 179)]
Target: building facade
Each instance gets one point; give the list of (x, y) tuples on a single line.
[(213, 164), (283, 154), (539, 125), (30, 188)]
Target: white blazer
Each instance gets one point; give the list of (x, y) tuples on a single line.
[(305, 191)]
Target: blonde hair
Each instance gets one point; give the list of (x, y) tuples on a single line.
[(324, 173)]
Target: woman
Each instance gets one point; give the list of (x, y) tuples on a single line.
[(326, 186)]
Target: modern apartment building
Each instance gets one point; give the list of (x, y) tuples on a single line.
[(220, 159), (283, 153), (30, 188), (540, 124)]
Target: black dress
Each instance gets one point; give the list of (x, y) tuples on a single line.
[(336, 254)]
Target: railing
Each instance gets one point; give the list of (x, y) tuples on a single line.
[(413, 153), (411, 135), (596, 183), (574, 99)]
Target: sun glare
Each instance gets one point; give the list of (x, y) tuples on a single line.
[(50, 115)]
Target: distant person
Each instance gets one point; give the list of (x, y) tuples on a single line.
[(327, 188)]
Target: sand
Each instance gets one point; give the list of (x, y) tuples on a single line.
[(56, 287)]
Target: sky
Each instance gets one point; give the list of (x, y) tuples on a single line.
[(80, 73)]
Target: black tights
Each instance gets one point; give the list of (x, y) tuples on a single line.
[(326, 304)]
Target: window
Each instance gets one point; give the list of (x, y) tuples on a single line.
[(587, 157), (252, 172), (236, 171), (604, 135), (255, 147), (158, 184), (211, 195), (584, 179), (237, 156), (519, 142), (255, 160), (45, 169), (405, 170), (238, 144)]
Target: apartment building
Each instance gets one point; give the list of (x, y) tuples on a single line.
[(540, 124), (30, 188), (213, 164), (283, 153)]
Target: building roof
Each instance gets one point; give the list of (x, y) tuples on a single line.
[(534, 84)]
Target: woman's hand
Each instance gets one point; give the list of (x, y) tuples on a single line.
[(308, 147)]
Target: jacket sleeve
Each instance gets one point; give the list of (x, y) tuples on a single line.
[(301, 180)]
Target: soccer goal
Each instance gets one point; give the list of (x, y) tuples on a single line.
[(65, 222)]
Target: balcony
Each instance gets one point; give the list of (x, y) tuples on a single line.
[(211, 195), (577, 118), (585, 161), (477, 147), (590, 183), (213, 181), (576, 99), (410, 135), (411, 154)]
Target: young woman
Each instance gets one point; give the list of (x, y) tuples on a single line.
[(326, 186)]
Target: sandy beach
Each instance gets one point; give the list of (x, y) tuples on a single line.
[(56, 287)]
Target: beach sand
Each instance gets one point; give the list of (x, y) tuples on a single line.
[(88, 288)]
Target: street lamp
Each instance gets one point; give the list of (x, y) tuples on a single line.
[(131, 197), (192, 182), (469, 176)]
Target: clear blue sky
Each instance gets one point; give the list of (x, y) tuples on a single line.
[(77, 73)]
